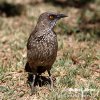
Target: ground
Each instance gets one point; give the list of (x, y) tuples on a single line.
[(77, 67)]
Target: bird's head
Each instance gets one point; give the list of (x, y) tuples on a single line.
[(48, 19)]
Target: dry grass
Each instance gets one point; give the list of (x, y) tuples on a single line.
[(77, 65)]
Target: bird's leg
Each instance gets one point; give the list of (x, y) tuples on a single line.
[(51, 84), (32, 83)]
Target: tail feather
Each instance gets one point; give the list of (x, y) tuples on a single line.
[(27, 67)]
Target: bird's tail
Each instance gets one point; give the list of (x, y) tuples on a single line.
[(27, 67)]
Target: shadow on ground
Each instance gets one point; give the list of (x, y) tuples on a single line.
[(40, 80), (9, 9), (70, 3)]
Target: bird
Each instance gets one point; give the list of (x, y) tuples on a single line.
[(42, 46)]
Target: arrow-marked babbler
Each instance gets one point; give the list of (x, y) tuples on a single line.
[(42, 46)]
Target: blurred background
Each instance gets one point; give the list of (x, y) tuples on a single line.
[(83, 15), (78, 60)]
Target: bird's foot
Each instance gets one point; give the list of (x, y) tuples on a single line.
[(31, 82), (51, 83), (33, 89)]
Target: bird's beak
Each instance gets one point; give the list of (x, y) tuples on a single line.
[(61, 16)]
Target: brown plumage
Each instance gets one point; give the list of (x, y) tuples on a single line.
[(42, 45)]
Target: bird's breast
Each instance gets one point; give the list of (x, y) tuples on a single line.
[(48, 46), (43, 49)]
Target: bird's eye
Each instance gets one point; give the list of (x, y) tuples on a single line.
[(51, 17)]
